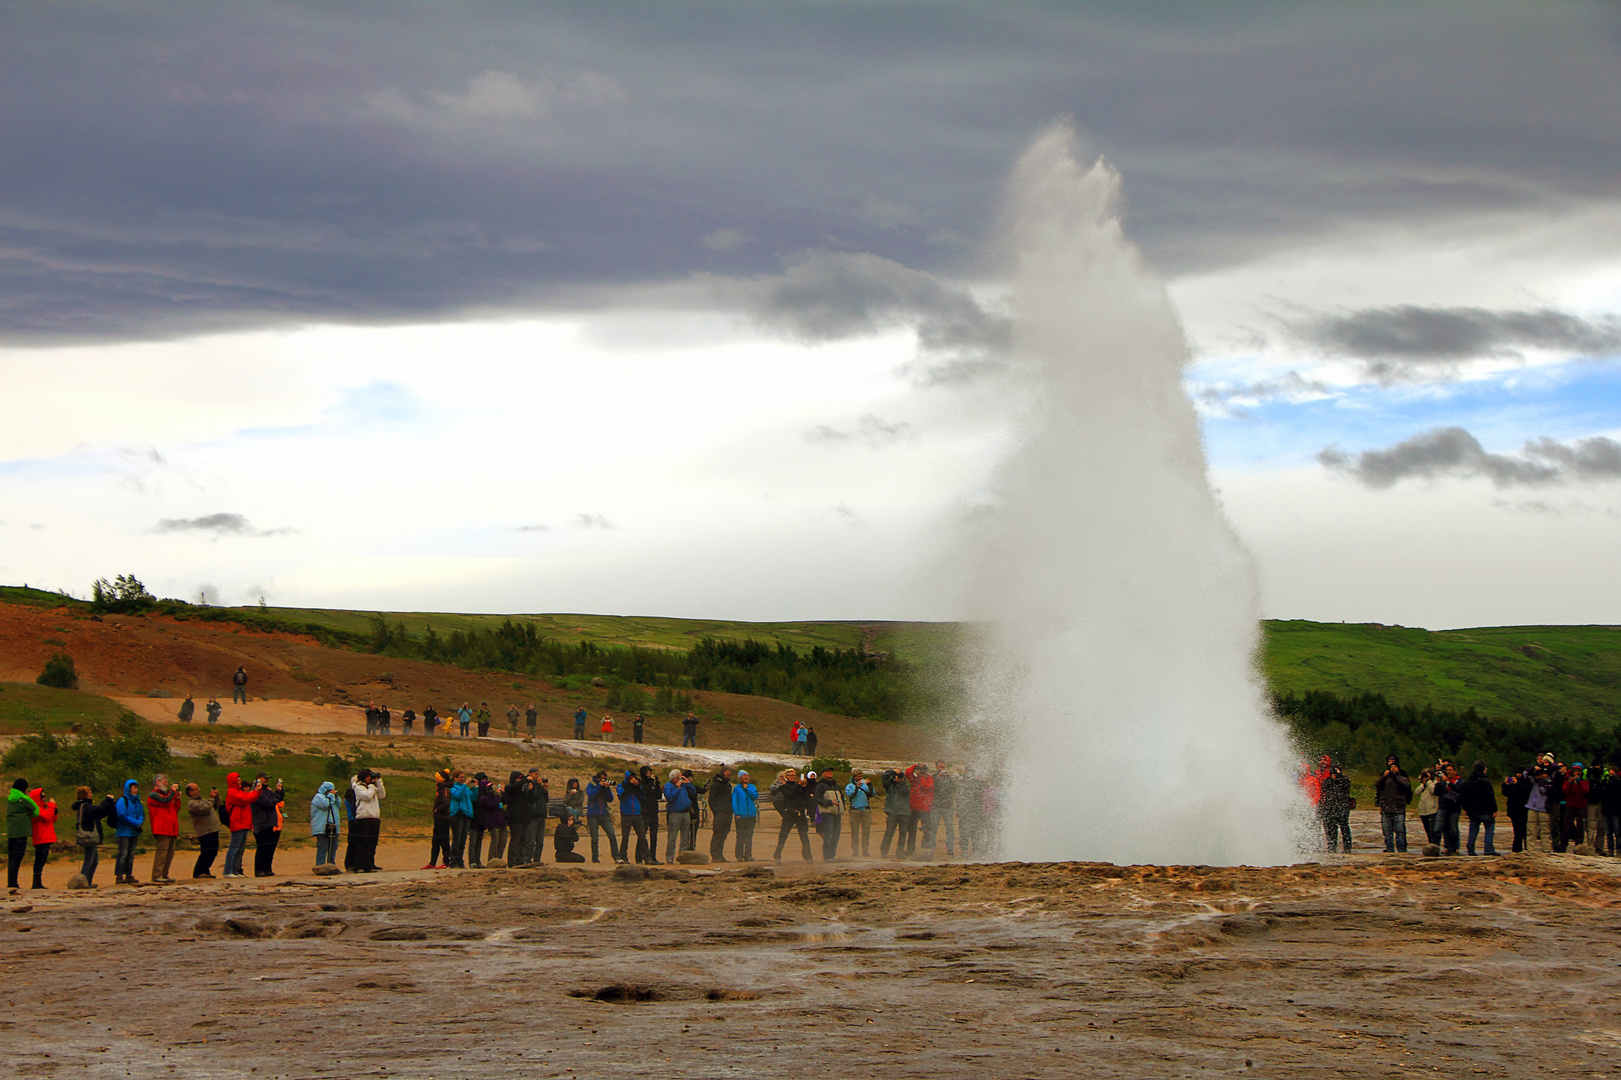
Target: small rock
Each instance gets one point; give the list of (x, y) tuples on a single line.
[(1431, 851), (20, 909), (598, 682), (327, 870), (495, 864), (77, 881), (697, 857), (630, 872), (1583, 849)]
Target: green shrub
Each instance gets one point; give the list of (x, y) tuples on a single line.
[(209, 758), (60, 673), (252, 757), (822, 764), (336, 768), (101, 757)]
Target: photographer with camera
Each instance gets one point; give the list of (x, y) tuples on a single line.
[(719, 798), (1539, 805), (921, 800), (897, 812), (598, 818), (680, 802), (631, 817), (745, 815), (1516, 790), (1334, 806), (1392, 792), (858, 796), (793, 798)]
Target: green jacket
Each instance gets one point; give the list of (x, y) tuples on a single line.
[(20, 814)]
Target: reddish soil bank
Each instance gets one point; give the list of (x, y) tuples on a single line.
[(122, 655), (1403, 967)]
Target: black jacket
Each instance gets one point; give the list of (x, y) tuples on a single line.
[(1393, 792), (264, 808), (720, 796), (517, 800), (1477, 797), (1516, 789), (796, 797), (1336, 795)]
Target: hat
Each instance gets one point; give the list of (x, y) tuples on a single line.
[(480, 776), (810, 776)]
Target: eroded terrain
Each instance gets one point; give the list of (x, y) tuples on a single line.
[(1505, 967)]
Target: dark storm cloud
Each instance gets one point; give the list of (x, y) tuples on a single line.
[(171, 168), (217, 525), (1405, 341), (1454, 452)]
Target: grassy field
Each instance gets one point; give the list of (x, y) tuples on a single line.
[(26, 707)]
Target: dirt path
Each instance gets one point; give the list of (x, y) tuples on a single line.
[(1364, 967)]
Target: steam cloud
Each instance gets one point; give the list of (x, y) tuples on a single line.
[(1123, 609), (872, 430), (1454, 452)]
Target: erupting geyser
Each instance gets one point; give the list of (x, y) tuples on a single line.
[(1121, 608)]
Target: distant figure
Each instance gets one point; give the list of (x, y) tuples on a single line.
[(406, 719), (530, 716), (385, 720), (800, 737), (239, 686), (1334, 807), (371, 718), (464, 718), (430, 720), (579, 722), (810, 741), (214, 708), (689, 731), (636, 728), (512, 722), (483, 719), (188, 708), (607, 728)]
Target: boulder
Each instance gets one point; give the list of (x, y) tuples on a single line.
[(1431, 851), (1583, 849), (495, 864), (630, 872), (598, 682), (328, 870), (692, 857), (77, 881)]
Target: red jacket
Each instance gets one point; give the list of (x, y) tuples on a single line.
[(238, 803), (163, 812), (45, 820), (922, 790)]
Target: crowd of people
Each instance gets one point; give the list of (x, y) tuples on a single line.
[(478, 821), (1551, 806)]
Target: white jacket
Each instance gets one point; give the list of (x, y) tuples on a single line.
[(368, 798)]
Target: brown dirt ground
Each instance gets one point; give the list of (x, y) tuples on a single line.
[(1351, 968), (134, 656)]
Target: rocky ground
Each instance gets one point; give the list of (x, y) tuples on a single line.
[(1357, 967)]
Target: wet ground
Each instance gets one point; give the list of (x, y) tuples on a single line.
[(1365, 967)]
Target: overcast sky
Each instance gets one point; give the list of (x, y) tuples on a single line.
[(697, 309)]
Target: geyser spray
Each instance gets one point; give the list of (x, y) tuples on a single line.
[(1122, 610)]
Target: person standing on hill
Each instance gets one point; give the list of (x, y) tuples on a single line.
[(793, 737), (129, 814), (43, 833), (214, 709), (385, 721), (239, 686), (163, 809), (636, 728), (1391, 792), (858, 796), (483, 719), (579, 723), (607, 728), (801, 735), (512, 724), (745, 815), (430, 720), (810, 741), (407, 718), (367, 825), (464, 718), (689, 730), (188, 709), (205, 826), (897, 812), (531, 716), (719, 797), (21, 809), (266, 825), (1334, 807)]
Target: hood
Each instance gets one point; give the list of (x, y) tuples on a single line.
[(132, 782), (38, 795), (233, 781), (325, 788), (631, 774)]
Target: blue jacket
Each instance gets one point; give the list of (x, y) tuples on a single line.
[(464, 715), (597, 798), (130, 811), (860, 797), (324, 809), (745, 800), (461, 800), (678, 798), (630, 796)]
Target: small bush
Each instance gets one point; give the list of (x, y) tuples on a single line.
[(209, 758), (336, 768), (252, 757), (281, 751), (837, 764), (60, 673), (102, 757)]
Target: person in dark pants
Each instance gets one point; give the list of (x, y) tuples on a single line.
[(266, 835), (631, 818), (482, 797), (205, 826), (1449, 796), (1516, 789), (21, 810), (461, 818), (636, 727), (367, 826), (564, 839), (1334, 807), (439, 846), (598, 795), (516, 796), (792, 796), (652, 792), (43, 833), (689, 842), (689, 730), (531, 717), (129, 814), (897, 812), (239, 686), (1480, 803), (1391, 793), (720, 813), (579, 723), (540, 802)]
